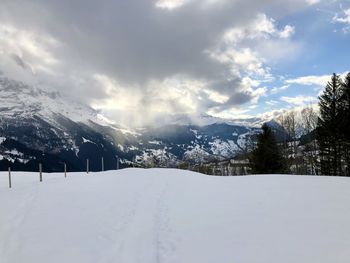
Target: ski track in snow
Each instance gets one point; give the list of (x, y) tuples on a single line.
[(12, 243), (127, 247)]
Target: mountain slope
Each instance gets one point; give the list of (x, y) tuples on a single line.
[(48, 128), (39, 125)]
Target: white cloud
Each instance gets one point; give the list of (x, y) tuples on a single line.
[(178, 94), (310, 80), (244, 49), (247, 49), (299, 100), (242, 60), (169, 4), (249, 85), (343, 18), (312, 2), (262, 27), (278, 89), (287, 32), (216, 96), (232, 113), (257, 93), (178, 89), (275, 114), (313, 80), (272, 102), (115, 92), (28, 49)]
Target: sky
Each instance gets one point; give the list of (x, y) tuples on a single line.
[(137, 61)]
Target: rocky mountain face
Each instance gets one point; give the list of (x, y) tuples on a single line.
[(41, 126)]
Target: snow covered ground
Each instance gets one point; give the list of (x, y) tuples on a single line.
[(162, 215)]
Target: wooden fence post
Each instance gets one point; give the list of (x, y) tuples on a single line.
[(102, 164), (87, 166), (40, 172), (65, 170), (10, 182), (117, 163)]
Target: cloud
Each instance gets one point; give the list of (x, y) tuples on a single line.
[(262, 27), (343, 18), (287, 32), (299, 100), (310, 80), (277, 113), (243, 50), (248, 49), (272, 102), (28, 49), (279, 89), (312, 2), (148, 56), (313, 80), (169, 4)]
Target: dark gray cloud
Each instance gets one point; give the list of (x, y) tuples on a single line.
[(135, 44)]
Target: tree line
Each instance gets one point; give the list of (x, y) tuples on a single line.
[(315, 142)]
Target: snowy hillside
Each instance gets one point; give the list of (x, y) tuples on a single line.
[(163, 215)]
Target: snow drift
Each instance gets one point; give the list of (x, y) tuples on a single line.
[(163, 215)]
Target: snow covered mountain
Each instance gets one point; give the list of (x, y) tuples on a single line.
[(41, 125), (193, 143), (205, 119), (19, 100)]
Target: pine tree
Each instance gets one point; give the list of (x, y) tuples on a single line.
[(345, 122), (328, 128), (267, 157)]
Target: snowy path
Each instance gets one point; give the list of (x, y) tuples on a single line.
[(161, 216)]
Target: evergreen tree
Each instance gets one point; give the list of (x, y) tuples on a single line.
[(345, 122), (267, 157), (329, 123), (345, 99)]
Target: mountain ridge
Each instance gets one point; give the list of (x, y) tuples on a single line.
[(41, 125)]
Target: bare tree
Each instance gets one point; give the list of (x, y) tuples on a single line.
[(290, 126), (309, 124), (282, 121)]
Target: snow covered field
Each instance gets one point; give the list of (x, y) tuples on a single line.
[(163, 215)]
